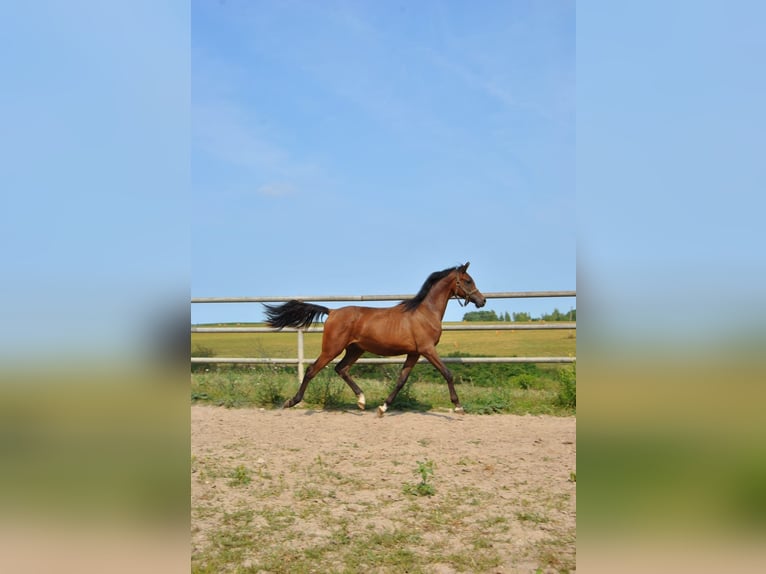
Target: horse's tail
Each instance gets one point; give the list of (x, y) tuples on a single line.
[(294, 314)]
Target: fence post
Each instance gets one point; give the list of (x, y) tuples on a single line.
[(300, 356)]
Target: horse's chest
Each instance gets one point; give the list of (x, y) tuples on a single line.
[(430, 335)]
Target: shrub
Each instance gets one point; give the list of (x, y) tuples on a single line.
[(268, 391), (567, 396), (525, 381), (479, 374), (496, 401), (325, 391)]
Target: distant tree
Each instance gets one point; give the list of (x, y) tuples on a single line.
[(521, 317), (480, 316), (557, 315)]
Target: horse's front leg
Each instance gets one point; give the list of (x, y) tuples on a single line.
[(408, 364), (436, 361)]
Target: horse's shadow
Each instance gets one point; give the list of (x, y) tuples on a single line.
[(398, 413), (422, 409)]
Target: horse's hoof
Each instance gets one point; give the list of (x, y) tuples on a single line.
[(459, 410), (361, 403), (287, 404), (381, 410)]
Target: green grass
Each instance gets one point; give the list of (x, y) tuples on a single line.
[(240, 476), (258, 387), (482, 388)]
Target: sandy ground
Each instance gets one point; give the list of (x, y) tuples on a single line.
[(504, 496)]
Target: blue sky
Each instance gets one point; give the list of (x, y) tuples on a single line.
[(94, 220), (237, 148), (355, 147), (671, 170)]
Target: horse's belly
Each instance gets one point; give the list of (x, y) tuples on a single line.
[(385, 350), (387, 342)]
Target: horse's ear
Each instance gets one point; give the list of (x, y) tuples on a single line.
[(464, 268)]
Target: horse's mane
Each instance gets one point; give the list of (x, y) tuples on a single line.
[(433, 279)]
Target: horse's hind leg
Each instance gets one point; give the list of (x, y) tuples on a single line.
[(311, 372), (353, 352)]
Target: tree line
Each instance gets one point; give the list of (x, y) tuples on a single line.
[(520, 317)]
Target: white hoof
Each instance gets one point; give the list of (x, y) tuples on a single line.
[(382, 409), (360, 402), (459, 410)]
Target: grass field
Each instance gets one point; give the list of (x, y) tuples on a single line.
[(479, 343)]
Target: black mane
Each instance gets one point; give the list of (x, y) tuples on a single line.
[(433, 279)]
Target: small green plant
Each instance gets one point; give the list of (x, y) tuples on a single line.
[(406, 397), (426, 470), (533, 517), (325, 391), (573, 477), (526, 381), (485, 408), (240, 476), (567, 396), (496, 401), (268, 392)]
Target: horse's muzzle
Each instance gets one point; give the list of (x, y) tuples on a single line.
[(479, 300)]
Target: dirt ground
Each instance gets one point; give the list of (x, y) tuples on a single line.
[(305, 490)]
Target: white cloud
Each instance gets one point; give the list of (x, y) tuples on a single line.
[(276, 189)]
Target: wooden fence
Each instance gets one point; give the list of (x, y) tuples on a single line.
[(301, 360)]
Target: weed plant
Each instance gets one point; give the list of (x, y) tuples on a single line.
[(567, 396), (425, 469), (240, 476)]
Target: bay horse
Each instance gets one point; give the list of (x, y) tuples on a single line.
[(412, 328)]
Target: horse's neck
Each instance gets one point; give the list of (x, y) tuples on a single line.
[(438, 297)]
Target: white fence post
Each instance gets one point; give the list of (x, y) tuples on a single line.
[(300, 356)]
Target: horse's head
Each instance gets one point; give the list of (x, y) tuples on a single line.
[(465, 287)]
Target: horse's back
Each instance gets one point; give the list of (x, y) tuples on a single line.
[(359, 319)]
